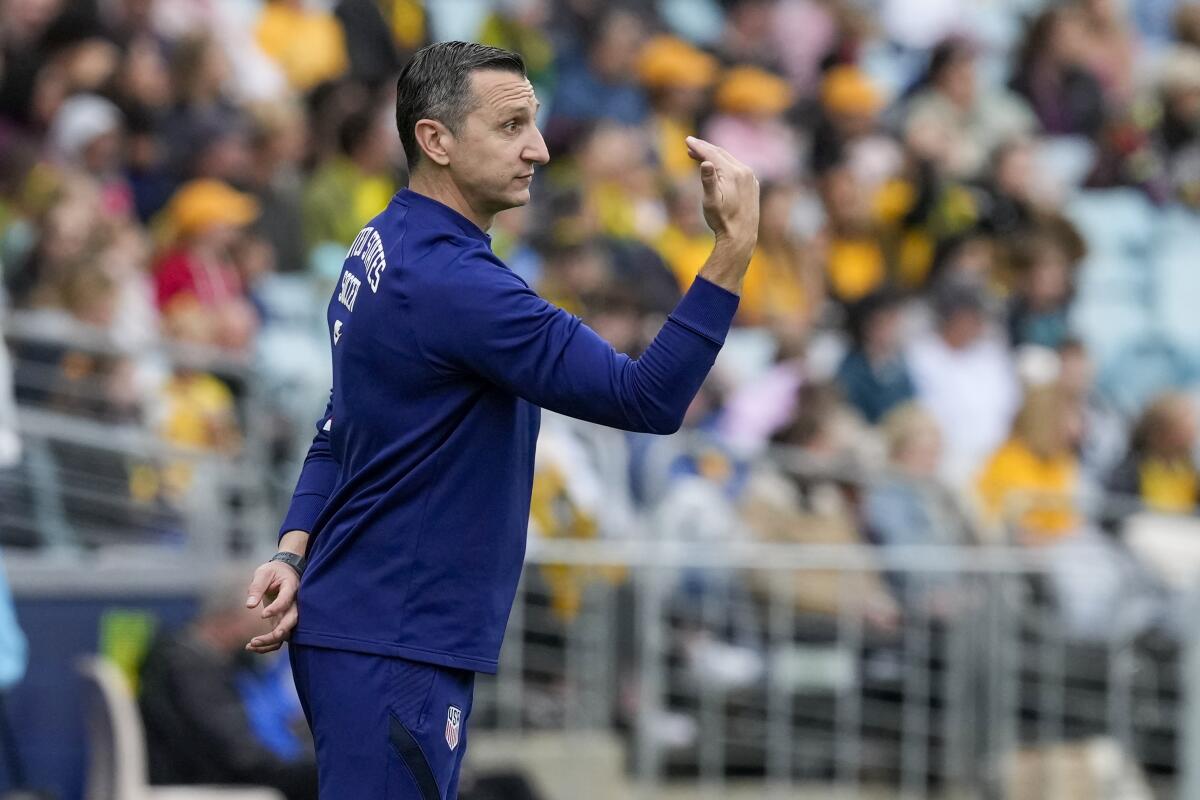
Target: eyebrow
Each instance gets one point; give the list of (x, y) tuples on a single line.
[(509, 111)]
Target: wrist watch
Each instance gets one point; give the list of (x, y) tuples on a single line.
[(296, 562)]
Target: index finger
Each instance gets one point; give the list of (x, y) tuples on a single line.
[(258, 586), (701, 150), (287, 593)]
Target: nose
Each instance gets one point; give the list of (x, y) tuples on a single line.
[(536, 151)]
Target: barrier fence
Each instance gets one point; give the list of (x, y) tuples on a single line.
[(658, 666), (715, 675)]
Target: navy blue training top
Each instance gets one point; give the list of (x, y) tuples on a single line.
[(416, 488)]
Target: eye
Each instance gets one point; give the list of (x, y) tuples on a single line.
[(512, 125)]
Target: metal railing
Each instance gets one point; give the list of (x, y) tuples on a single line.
[(984, 694), (719, 667), (93, 475)]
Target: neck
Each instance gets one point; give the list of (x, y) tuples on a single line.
[(437, 185)]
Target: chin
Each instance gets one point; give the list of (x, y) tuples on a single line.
[(516, 199)]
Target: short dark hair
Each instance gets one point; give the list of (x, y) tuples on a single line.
[(436, 84)]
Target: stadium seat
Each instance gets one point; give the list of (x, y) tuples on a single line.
[(1169, 545), (1064, 162), (1141, 369), (117, 761), (1113, 277), (1109, 325), (1177, 281), (1114, 220)]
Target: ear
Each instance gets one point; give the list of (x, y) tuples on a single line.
[(435, 140)]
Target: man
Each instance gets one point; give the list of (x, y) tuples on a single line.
[(964, 376), (203, 724), (416, 490)]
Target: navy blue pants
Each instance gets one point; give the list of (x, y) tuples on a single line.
[(385, 728)]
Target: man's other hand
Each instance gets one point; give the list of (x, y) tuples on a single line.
[(274, 587)]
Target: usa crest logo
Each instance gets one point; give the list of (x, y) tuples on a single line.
[(453, 725)]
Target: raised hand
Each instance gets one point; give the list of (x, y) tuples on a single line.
[(731, 211)]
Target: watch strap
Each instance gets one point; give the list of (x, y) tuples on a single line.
[(296, 562)]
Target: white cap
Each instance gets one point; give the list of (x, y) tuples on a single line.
[(80, 120)]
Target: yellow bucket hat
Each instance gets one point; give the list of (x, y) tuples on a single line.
[(667, 62), (750, 90), (847, 90), (205, 202)]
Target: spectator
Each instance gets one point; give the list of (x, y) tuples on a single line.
[(1177, 136), (677, 77), (199, 729), (907, 507), (857, 263), (147, 168), (814, 510), (847, 130), (1044, 265), (964, 375), (962, 123), (350, 188), (520, 25), (919, 210), (784, 290), (749, 123), (618, 181), (602, 84), (685, 241), (308, 44), (1031, 483), (874, 375), (198, 288), (1104, 429), (70, 55), (749, 35), (277, 146), (1112, 48), (370, 48), (200, 73), (1012, 202), (22, 56), (143, 82), (87, 134), (1187, 24), (196, 413), (1159, 468), (1054, 73)]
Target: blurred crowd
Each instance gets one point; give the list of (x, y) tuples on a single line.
[(969, 318), (971, 271)]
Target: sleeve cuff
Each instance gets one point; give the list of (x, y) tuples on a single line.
[(707, 309), (302, 514)]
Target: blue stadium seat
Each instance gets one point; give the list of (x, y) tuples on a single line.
[(1114, 220), (1143, 368), (1108, 277), (1107, 326), (1177, 281)]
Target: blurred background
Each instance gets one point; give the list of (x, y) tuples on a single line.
[(929, 530)]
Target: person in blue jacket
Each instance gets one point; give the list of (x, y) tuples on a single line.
[(400, 553)]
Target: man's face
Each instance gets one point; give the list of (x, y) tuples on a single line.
[(495, 150)]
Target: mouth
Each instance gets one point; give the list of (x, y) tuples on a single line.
[(527, 177)]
